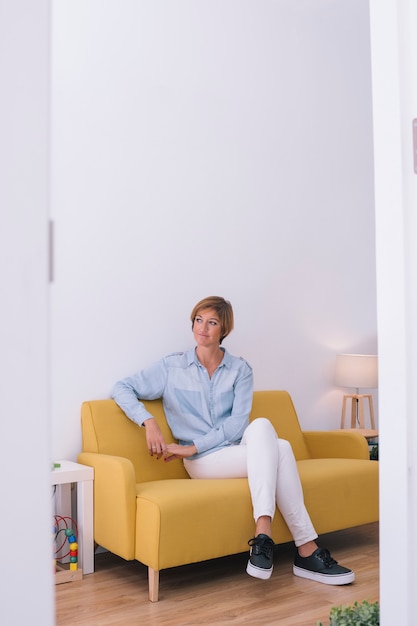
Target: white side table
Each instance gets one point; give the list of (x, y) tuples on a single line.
[(65, 475)]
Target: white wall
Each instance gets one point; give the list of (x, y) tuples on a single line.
[(26, 520), (210, 148)]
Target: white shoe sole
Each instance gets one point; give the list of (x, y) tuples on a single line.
[(326, 579), (258, 572)]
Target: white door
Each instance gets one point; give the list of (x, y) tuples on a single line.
[(24, 421)]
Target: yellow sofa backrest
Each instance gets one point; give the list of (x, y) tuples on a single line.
[(278, 407), (107, 430)]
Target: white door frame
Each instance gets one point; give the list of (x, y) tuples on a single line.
[(394, 84)]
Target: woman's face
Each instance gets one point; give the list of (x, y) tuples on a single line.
[(207, 328)]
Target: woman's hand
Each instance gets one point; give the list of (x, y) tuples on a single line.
[(175, 451), (154, 438), (157, 447)]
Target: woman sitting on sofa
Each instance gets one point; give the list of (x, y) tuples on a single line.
[(207, 398)]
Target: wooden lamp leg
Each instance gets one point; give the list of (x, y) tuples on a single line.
[(342, 422), (371, 412)]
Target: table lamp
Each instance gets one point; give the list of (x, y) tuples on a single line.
[(358, 371)]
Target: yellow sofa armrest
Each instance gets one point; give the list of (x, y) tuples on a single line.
[(336, 444), (114, 502)]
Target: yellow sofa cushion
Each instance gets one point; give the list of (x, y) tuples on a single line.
[(204, 519)]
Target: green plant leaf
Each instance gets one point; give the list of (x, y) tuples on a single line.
[(359, 614)]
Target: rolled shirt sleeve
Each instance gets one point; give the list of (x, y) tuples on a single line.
[(148, 384)]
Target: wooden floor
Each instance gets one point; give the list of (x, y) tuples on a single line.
[(220, 592)]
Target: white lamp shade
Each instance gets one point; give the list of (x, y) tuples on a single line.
[(356, 370)]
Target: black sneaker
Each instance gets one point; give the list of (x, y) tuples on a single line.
[(322, 567), (260, 562)]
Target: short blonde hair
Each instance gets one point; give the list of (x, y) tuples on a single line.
[(223, 309)]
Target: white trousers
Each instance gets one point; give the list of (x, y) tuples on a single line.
[(269, 465)]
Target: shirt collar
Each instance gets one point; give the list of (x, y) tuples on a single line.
[(192, 357)]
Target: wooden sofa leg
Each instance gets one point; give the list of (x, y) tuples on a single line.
[(153, 580)]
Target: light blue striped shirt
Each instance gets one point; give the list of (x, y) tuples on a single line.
[(207, 412)]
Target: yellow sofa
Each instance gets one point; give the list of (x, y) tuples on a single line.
[(151, 511)]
